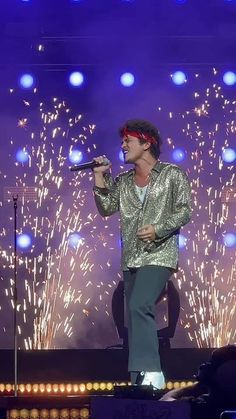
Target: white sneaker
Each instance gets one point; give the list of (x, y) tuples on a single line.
[(154, 378)]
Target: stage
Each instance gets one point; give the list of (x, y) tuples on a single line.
[(63, 382)]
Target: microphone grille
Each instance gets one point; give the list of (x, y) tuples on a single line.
[(106, 162)]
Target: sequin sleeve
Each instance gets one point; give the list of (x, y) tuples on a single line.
[(181, 205), (107, 199)]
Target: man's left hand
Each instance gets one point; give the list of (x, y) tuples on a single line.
[(146, 233)]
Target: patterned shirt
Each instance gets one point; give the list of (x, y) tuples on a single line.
[(167, 206)]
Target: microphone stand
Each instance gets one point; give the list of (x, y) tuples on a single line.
[(15, 198), (17, 193)]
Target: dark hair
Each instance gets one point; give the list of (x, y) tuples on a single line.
[(220, 356), (144, 127), (223, 354)]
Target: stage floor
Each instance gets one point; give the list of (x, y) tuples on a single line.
[(73, 366)]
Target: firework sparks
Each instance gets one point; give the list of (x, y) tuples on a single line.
[(209, 276), (56, 276)]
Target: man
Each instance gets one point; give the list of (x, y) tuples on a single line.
[(154, 202)]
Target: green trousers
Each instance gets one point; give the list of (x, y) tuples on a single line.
[(143, 286)]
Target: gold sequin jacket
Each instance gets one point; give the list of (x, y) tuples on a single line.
[(167, 206)]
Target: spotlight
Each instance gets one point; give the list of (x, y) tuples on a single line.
[(178, 155), (181, 1), (229, 78), (84, 413), (182, 241), (23, 241), (22, 156), (75, 156), (127, 79), (82, 388), (75, 240), (27, 81), (96, 386), (179, 78), (76, 79), (40, 48), (229, 239), (228, 155)]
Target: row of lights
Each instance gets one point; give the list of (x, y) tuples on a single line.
[(82, 413), (59, 388), (178, 155), (78, 388), (127, 79), (75, 240)]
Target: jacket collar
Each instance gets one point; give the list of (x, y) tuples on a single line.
[(156, 168)]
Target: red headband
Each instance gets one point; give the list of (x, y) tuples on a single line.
[(139, 135)]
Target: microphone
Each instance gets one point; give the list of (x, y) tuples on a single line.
[(90, 165)]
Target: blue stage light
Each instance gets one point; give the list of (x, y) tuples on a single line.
[(121, 156), (27, 81), (229, 239), (182, 241), (76, 79), (75, 240), (23, 241), (178, 155), (229, 155), (229, 78), (22, 156), (75, 156), (127, 79), (179, 77), (181, 1)]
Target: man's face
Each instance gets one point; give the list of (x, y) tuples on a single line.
[(132, 149)]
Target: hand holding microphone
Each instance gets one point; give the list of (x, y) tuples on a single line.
[(102, 164), (99, 165)]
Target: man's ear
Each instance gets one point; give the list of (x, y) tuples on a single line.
[(147, 146)]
